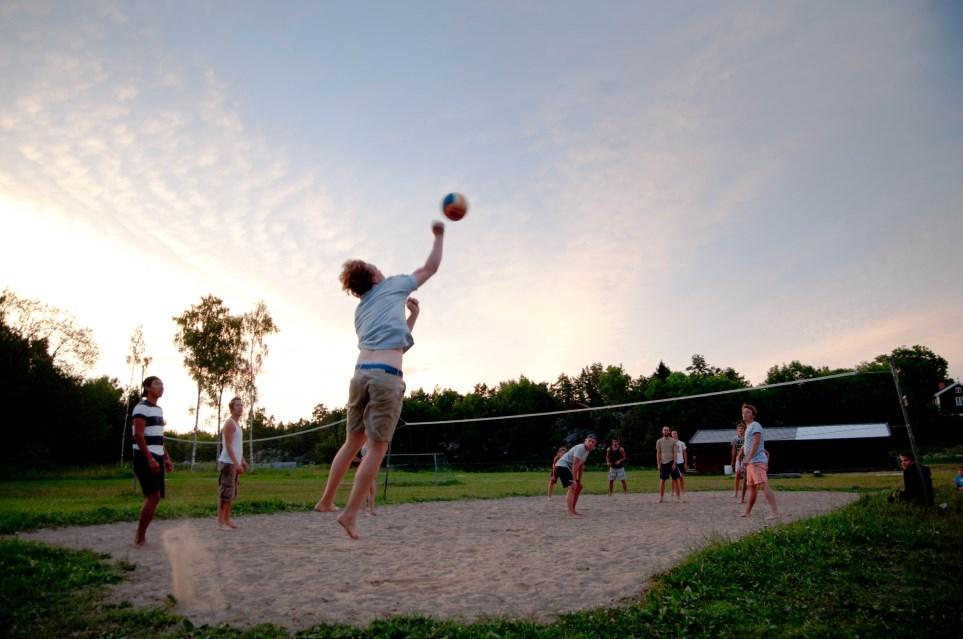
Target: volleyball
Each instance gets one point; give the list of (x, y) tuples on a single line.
[(454, 206)]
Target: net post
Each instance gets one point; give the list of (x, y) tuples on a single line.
[(909, 429), (384, 494)]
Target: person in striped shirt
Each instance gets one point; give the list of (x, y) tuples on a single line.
[(150, 457)]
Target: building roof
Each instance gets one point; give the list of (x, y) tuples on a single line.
[(945, 388), (798, 433)]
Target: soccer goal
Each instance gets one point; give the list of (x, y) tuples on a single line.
[(416, 469)]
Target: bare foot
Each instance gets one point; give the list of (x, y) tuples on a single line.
[(744, 515), (325, 508), (139, 543), (232, 523), (772, 516), (226, 527), (348, 525), (575, 514)]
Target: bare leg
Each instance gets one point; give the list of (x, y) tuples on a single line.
[(339, 466), (681, 488), (551, 485), (230, 522), (371, 495), (752, 501), (661, 490), (611, 483), (571, 499), (146, 516), (363, 478), (771, 500), (625, 487), (745, 485), (224, 514)]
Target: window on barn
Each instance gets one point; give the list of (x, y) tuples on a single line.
[(959, 401)]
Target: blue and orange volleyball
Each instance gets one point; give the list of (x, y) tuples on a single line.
[(454, 206)]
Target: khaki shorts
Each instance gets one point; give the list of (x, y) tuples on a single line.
[(374, 403), (227, 481)]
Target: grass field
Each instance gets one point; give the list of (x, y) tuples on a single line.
[(103, 495), (871, 569)]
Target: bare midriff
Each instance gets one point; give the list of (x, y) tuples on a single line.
[(391, 357)]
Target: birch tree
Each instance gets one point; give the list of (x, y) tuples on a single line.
[(255, 327), (208, 337)]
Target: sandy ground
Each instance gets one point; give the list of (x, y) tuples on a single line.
[(521, 557)]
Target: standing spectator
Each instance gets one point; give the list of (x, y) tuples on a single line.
[(681, 462), (665, 460), (150, 457), (757, 462), (958, 480), (615, 459), (570, 468), (230, 464)]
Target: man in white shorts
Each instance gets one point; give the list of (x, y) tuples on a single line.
[(615, 459)]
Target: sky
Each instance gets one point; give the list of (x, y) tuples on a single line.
[(754, 182)]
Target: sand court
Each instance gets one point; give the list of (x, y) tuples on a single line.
[(519, 557)]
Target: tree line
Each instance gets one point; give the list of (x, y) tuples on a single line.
[(869, 396), (56, 417)]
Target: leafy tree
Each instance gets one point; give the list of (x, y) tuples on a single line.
[(920, 371), (136, 359), (71, 348), (209, 339), (76, 421), (255, 327)]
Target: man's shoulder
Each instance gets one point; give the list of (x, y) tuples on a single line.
[(402, 280)]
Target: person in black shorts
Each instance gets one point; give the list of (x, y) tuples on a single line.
[(150, 457)]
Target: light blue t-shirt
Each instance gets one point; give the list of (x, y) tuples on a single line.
[(579, 452), (380, 317), (760, 458)]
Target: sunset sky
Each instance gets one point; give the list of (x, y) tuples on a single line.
[(754, 182)]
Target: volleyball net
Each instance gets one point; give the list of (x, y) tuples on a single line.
[(528, 440)]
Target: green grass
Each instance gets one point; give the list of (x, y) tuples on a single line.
[(871, 569), (96, 496)]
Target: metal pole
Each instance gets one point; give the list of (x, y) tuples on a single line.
[(384, 495), (909, 429)]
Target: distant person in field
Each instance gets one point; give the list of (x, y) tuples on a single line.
[(681, 463), (553, 477), (665, 449), (757, 462), (150, 457), (570, 468), (958, 480), (735, 456), (230, 464), (377, 389), (915, 489), (615, 459)]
